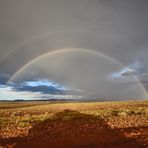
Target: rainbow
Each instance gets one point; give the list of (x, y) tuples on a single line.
[(14, 76)]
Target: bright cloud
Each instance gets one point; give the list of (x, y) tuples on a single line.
[(124, 72), (45, 82), (8, 93)]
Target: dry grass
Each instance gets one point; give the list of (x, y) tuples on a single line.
[(23, 115)]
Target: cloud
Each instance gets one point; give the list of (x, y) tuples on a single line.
[(135, 69), (125, 72), (4, 78), (40, 89), (45, 82), (42, 86), (9, 93), (115, 28)]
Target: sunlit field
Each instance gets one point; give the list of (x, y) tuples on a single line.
[(73, 74), (124, 123)]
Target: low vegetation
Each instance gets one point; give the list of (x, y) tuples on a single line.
[(18, 119), (26, 114)]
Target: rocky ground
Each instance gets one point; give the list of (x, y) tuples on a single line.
[(73, 129)]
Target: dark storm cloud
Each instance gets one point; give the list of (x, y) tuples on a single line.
[(42, 86), (45, 90), (30, 28), (117, 28), (4, 78), (42, 89)]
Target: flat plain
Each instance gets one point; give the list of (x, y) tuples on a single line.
[(35, 124)]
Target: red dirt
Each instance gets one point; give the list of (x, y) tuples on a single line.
[(88, 132)]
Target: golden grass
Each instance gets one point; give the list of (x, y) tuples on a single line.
[(27, 113)]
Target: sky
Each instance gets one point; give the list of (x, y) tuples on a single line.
[(73, 49)]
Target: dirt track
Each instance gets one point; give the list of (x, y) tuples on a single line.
[(85, 131)]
